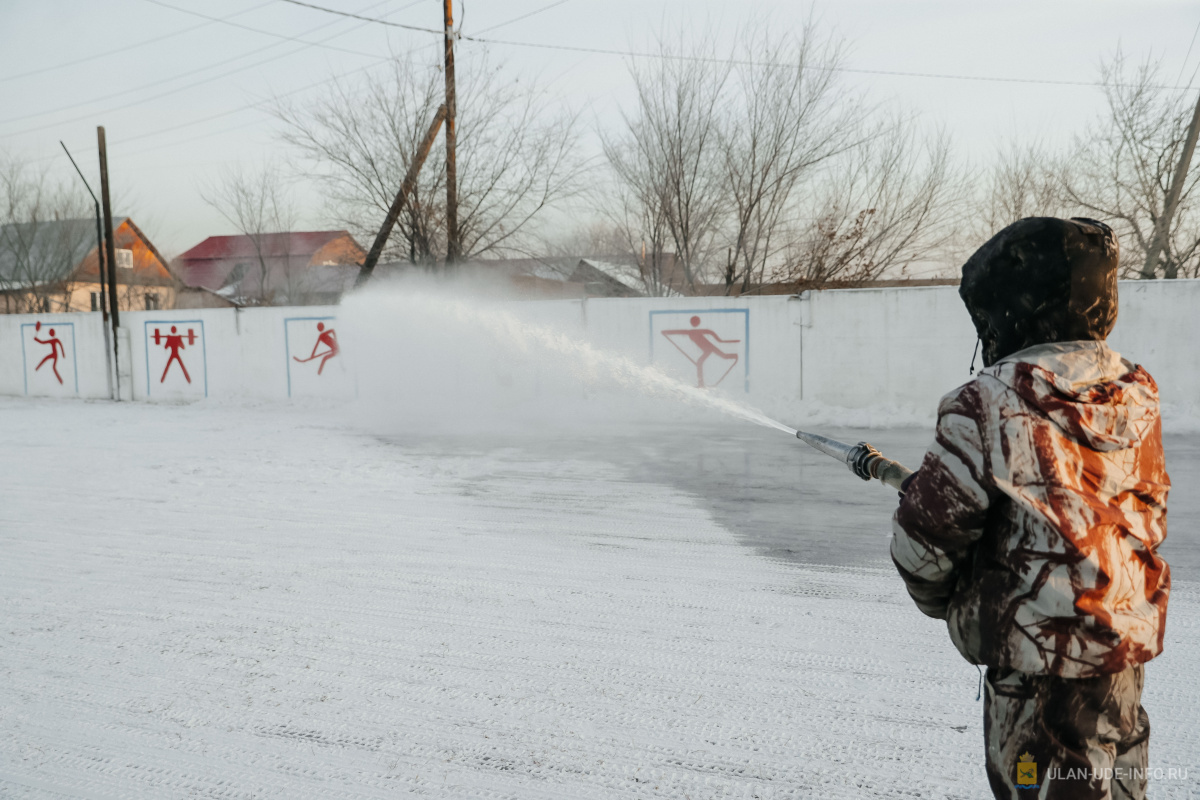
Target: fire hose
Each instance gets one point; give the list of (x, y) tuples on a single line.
[(862, 459)]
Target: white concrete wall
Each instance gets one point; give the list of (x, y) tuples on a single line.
[(849, 349), (260, 353), (28, 366), (225, 353), (906, 347), (1159, 328), (910, 346), (764, 333)]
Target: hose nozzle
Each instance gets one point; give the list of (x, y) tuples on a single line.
[(863, 460), (866, 462)]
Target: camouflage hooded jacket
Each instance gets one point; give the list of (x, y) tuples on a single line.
[(1033, 523)]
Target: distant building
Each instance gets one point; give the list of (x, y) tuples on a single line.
[(53, 267), (199, 297), (292, 268), (607, 279), (562, 276)]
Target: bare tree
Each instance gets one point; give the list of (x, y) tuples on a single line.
[(516, 156), (639, 221), (722, 148), (45, 233), (647, 233), (762, 170), (789, 117), (257, 203), (668, 159), (885, 205), (362, 140), (598, 238), (1026, 180), (1123, 167)]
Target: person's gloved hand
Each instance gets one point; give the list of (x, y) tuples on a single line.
[(905, 483)]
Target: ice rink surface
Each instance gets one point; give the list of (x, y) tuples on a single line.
[(255, 601)]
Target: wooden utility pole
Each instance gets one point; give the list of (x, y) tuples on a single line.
[(410, 180), (1163, 229), (110, 254), (453, 249)]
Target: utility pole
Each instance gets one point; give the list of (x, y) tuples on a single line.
[(110, 254), (410, 180), (1163, 229), (108, 353), (453, 249), (99, 235)]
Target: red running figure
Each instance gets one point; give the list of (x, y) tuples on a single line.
[(708, 347), (56, 346), (327, 338), (174, 343)]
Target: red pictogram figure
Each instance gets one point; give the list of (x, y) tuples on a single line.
[(56, 346), (327, 338), (706, 340), (174, 343)]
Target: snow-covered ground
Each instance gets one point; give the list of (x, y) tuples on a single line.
[(255, 601)]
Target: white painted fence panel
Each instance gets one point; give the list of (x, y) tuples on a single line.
[(850, 349)]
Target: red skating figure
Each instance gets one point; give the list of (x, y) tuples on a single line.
[(708, 347)]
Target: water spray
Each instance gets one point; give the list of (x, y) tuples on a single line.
[(587, 361), (862, 459)]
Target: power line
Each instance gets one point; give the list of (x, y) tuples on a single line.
[(127, 47), (702, 59), (255, 30), (1191, 44), (255, 105), (341, 13), (258, 104), (744, 62), (365, 19), (526, 16), (585, 50), (183, 75), (179, 88), (279, 35)]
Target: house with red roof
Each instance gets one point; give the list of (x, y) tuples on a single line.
[(290, 268)]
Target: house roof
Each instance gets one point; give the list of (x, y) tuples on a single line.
[(290, 286), (603, 277), (34, 253), (616, 280), (233, 266), (295, 243)]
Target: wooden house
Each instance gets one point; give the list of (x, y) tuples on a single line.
[(53, 266)]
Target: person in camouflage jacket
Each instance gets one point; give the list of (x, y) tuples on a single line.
[(1033, 524)]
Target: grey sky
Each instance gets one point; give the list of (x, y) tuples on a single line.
[(179, 108)]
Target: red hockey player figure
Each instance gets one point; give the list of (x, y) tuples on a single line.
[(706, 340), (56, 346), (174, 343), (327, 338)]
